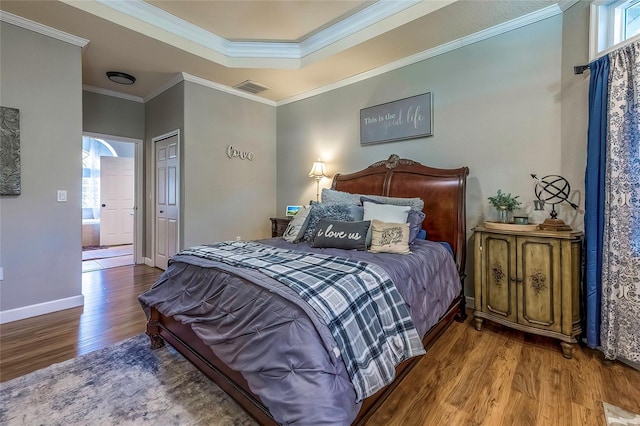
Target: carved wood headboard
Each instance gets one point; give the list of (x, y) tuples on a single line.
[(443, 192)]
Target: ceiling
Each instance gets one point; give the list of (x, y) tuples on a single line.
[(293, 47)]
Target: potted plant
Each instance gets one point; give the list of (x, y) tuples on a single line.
[(504, 203)]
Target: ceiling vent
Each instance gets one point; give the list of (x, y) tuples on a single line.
[(251, 87)]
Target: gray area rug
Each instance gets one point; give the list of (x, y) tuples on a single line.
[(126, 384)]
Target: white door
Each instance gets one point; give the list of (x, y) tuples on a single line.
[(116, 200), (167, 198)]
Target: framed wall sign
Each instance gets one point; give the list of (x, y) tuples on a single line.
[(407, 118)]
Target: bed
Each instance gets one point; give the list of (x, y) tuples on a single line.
[(225, 353)]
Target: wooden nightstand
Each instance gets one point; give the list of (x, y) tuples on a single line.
[(279, 225), (529, 281)]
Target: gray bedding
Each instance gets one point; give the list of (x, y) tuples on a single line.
[(263, 329)]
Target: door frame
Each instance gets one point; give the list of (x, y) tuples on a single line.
[(154, 191), (138, 164)]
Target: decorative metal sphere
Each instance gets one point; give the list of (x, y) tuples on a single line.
[(552, 189)]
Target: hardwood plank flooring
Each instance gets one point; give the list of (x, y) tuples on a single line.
[(497, 376), (111, 313)]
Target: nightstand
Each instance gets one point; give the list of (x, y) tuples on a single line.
[(279, 225), (530, 281)]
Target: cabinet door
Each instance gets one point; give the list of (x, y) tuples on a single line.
[(498, 267), (539, 279)]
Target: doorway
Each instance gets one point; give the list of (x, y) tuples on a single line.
[(166, 217), (111, 231)]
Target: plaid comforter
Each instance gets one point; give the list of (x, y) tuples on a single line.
[(357, 300)]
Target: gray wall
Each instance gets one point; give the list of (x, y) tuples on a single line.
[(227, 197), (113, 116), (221, 198), (163, 114), (497, 109), (40, 238), (506, 107)]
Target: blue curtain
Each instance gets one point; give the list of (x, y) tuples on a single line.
[(595, 196)]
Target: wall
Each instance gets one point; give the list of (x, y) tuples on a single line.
[(227, 197), (575, 107), (109, 115), (221, 198), (40, 238), (164, 113), (497, 109)]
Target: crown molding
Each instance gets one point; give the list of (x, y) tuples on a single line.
[(253, 54), (226, 89), (178, 78), (27, 24), (511, 25), (113, 93), (183, 76)]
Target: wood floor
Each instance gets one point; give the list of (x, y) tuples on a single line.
[(494, 377)]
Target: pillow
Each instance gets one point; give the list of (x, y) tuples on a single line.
[(319, 211), (389, 237), (338, 197), (295, 228), (415, 224), (340, 234), (416, 204), (414, 218), (385, 212)]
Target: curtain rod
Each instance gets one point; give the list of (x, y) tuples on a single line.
[(579, 69)]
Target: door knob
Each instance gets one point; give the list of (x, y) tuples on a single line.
[(161, 211), (104, 205)]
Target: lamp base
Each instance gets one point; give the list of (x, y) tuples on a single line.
[(554, 225)]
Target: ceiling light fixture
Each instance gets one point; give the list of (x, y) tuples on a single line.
[(121, 77)]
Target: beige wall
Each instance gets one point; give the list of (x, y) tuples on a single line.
[(497, 109), (41, 238)]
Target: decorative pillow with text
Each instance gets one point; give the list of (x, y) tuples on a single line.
[(295, 229), (320, 211), (389, 237), (340, 234)]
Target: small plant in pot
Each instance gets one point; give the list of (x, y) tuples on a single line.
[(504, 203)]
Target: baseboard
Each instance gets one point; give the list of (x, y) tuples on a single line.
[(148, 262), (470, 301), (40, 309)]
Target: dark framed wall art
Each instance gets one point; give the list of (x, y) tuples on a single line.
[(407, 118), (9, 151)]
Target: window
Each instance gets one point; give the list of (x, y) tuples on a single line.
[(613, 22), (92, 150)]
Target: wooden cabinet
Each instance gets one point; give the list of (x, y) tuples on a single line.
[(279, 225), (529, 281)]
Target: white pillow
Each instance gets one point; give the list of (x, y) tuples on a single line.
[(385, 212)]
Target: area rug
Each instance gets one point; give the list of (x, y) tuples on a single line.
[(616, 416), (126, 384)]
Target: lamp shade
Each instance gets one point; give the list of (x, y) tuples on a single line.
[(318, 170)]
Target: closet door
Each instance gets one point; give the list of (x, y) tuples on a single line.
[(167, 199)]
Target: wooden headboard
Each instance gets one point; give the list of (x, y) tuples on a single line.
[(443, 192)]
